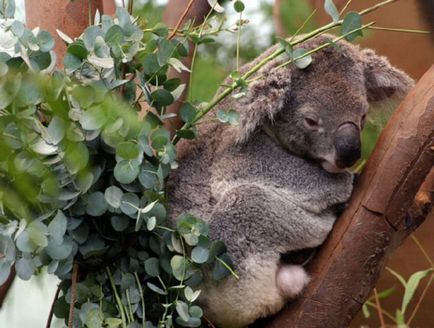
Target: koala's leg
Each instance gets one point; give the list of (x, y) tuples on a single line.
[(258, 225)]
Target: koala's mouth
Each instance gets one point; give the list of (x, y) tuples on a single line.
[(331, 167)]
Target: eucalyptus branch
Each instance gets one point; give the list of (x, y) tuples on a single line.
[(218, 98), (178, 24)]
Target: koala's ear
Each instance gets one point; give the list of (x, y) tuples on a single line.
[(264, 99), (382, 80)]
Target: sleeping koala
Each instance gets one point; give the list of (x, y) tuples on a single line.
[(269, 186)]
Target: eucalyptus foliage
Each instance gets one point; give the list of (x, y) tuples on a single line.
[(82, 178)]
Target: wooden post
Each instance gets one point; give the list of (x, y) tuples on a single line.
[(381, 214)]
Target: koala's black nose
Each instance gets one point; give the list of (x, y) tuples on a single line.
[(347, 145)]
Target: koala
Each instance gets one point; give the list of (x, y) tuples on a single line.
[(269, 186)]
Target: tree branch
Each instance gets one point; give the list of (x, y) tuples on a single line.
[(382, 212)]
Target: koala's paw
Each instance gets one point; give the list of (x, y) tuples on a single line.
[(291, 280)]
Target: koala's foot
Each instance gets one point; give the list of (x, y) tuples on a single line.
[(291, 280)]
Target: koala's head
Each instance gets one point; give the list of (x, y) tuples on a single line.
[(319, 112)]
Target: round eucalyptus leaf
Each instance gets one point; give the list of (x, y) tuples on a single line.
[(351, 22), (200, 254), (119, 223), (182, 309), (59, 251), (113, 196), (45, 41), (56, 129), (5, 270), (96, 204), (162, 97), (126, 171), (301, 62), (239, 6), (25, 268), (180, 267), (57, 226), (152, 266), (130, 203), (196, 311), (128, 150)]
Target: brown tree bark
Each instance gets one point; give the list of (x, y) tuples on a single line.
[(382, 212)]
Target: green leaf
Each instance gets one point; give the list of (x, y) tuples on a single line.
[(220, 269), (196, 311), (77, 49), (182, 310), (400, 321), (17, 28), (76, 157), (106, 62), (93, 118), (165, 51), (239, 6), (71, 63), (114, 35), (351, 22), (160, 138), (301, 62), (126, 171), (156, 289), (45, 41), (96, 204), (150, 64), (130, 203), (119, 223), (59, 251), (127, 150), (25, 268), (199, 254), (365, 310), (89, 36), (186, 134), (57, 226), (151, 223), (180, 267), (331, 9), (113, 196), (152, 266), (162, 97), (188, 112), (411, 286), (56, 129)]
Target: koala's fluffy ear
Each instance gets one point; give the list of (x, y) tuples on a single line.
[(382, 80), (265, 99)]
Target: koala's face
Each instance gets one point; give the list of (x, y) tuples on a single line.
[(319, 112), (324, 114)]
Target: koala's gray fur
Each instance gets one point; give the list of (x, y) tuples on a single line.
[(261, 185)]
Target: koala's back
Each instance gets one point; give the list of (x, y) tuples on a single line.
[(215, 164)]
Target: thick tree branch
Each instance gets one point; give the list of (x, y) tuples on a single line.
[(382, 212)]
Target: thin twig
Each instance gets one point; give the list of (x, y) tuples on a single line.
[(180, 19), (402, 30), (130, 6), (73, 294), (419, 301), (422, 249), (379, 309), (387, 314), (345, 7), (50, 315)]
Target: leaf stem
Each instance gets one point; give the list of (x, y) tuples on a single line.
[(142, 299), (50, 315), (73, 294), (379, 309), (117, 298), (180, 20), (403, 30)]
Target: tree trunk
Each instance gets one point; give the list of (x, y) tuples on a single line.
[(382, 212)]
